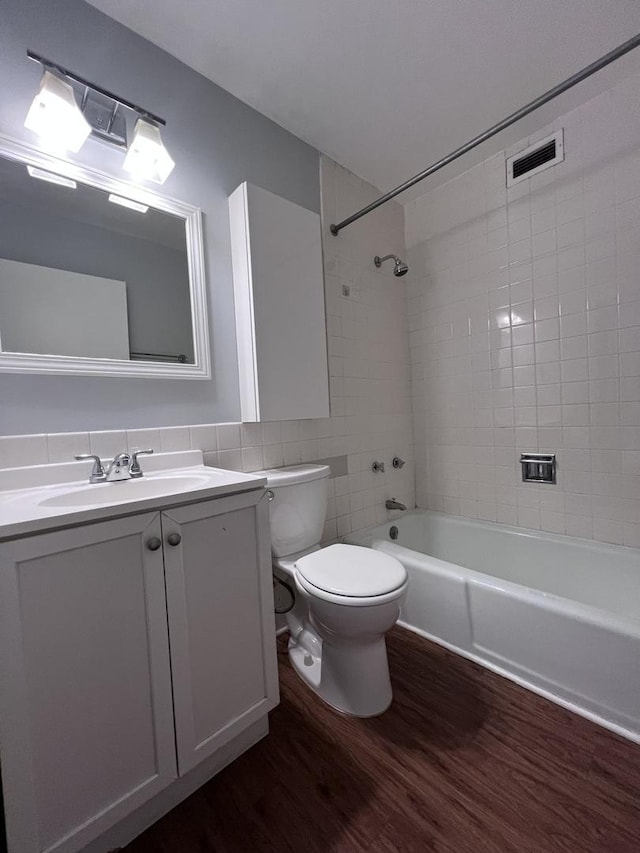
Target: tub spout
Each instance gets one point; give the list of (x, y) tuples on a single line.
[(392, 503)]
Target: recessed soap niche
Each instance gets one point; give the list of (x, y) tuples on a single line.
[(538, 467)]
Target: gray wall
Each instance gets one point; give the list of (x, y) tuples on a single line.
[(216, 141), (158, 303)]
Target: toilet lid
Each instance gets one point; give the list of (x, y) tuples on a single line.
[(352, 570)]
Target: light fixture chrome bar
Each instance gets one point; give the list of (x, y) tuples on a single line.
[(70, 75), (578, 77)]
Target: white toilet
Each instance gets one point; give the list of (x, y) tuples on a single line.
[(347, 597)]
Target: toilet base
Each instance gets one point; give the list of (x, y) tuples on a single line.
[(352, 678)]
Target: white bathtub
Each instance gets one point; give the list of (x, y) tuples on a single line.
[(558, 615)]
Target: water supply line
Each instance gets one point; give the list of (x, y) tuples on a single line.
[(540, 101), (289, 589)]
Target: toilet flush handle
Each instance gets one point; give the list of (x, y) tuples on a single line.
[(270, 495)]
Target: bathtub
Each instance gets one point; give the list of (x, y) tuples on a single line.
[(558, 615)]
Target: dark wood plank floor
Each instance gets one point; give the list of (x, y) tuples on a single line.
[(463, 762)]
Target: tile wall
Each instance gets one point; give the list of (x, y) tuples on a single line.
[(524, 318), (369, 375)]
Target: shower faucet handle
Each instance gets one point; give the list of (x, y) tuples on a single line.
[(378, 467)]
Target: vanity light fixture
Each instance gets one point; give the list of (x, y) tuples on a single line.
[(127, 202), (51, 177), (55, 116), (147, 157), (68, 108)]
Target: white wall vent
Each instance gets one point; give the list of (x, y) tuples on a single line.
[(535, 158)]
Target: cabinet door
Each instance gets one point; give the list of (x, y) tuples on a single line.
[(281, 332), (86, 716), (221, 621)]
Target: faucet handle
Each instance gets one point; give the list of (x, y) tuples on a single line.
[(97, 474), (134, 469)]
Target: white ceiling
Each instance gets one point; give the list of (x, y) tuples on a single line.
[(386, 87)]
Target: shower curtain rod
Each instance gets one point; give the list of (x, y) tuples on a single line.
[(605, 60)]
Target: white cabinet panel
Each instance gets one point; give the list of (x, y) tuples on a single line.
[(278, 277), (221, 622), (86, 715)]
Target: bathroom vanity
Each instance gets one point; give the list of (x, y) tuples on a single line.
[(138, 647)]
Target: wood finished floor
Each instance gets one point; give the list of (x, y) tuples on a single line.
[(463, 762)]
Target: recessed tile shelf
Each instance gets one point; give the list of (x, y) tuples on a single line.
[(538, 467)]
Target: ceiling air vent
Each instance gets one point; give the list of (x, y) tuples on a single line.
[(534, 159)]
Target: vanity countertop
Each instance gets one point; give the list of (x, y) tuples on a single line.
[(41, 498)]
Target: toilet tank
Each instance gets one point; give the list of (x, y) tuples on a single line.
[(299, 506)]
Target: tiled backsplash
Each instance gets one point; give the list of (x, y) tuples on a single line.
[(369, 377), (242, 447), (524, 312)]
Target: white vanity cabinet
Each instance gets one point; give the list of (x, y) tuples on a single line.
[(126, 660)]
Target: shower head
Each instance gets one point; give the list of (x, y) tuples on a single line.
[(399, 266)]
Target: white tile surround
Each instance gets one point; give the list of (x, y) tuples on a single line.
[(524, 317), (370, 382)]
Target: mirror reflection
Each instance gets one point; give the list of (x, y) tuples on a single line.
[(87, 273)]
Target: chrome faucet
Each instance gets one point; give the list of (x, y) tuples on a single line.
[(123, 466), (392, 503), (119, 468)]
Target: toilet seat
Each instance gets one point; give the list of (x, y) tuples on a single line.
[(351, 575)]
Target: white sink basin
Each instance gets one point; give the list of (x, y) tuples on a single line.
[(44, 497), (102, 494)]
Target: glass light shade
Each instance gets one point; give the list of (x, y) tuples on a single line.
[(147, 157), (56, 117)]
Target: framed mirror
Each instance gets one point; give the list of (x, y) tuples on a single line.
[(97, 277)]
